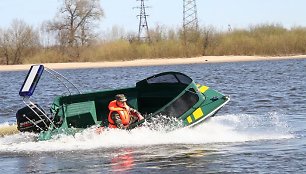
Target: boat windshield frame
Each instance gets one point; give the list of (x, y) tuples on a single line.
[(167, 77)]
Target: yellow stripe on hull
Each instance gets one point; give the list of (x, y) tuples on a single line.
[(189, 119), (198, 113), (203, 89)]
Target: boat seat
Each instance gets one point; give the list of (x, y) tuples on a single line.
[(81, 114)]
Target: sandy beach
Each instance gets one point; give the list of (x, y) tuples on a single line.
[(151, 62)]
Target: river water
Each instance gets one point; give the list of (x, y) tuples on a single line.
[(261, 130)]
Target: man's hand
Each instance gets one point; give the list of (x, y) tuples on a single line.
[(138, 114), (127, 107), (140, 117)]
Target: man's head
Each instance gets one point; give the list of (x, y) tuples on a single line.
[(121, 100)]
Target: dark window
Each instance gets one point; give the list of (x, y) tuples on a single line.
[(182, 104), (184, 79), (168, 78)]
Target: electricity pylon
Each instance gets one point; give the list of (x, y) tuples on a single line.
[(190, 16), (190, 22), (143, 29)]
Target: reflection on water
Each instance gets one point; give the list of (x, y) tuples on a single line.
[(123, 161)]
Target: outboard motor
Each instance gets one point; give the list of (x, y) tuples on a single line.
[(30, 121)]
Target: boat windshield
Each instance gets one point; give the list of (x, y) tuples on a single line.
[(182, 104), (169, 78), (157, 91)]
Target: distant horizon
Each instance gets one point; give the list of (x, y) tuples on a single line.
[(220, 14)]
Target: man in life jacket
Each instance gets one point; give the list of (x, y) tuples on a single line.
[(121, 115)]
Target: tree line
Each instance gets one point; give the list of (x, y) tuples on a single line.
[(71, 37), (72, 28)]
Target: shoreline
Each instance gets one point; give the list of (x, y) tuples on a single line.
[(152, 62)]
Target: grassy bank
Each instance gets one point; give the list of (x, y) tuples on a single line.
[(260, 40)]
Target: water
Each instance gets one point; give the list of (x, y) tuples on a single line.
[(261, 130)]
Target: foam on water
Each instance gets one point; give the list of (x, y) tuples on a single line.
[(220, 129)]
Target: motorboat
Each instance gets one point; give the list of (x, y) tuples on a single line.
[(170, 94)]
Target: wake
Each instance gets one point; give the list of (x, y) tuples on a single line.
[(219, 129)]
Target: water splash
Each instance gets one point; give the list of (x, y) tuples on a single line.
[(163, 123), (221, 129)]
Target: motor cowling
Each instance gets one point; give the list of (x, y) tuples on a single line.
[(32, 119)]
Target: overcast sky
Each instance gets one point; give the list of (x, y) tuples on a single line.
[(217, 13)]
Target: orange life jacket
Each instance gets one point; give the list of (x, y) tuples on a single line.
[(124, 114)]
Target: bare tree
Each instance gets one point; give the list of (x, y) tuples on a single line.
[(74, 22), (208, 35), (17, 42), (3, 47)]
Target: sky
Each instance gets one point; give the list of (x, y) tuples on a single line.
[(168, 13)]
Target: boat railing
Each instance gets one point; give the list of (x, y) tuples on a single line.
[(63, 80), (28, 89), (30, 104)]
